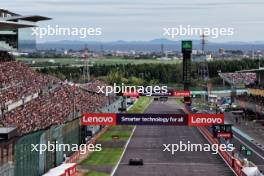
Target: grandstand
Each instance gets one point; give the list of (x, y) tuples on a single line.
[(238, 78), (37, 107), (15, 32), (253, 100), (93, 86)]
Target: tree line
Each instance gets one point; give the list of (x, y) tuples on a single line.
[(151, 73)]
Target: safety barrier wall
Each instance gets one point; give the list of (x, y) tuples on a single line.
[(26, 161), (65, 169), (49, 159), (76, 156), (230, 160), (33, 163), (72, 171)]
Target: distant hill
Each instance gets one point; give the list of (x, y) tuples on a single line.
[(152, 45)]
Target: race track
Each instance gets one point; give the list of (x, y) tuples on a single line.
[(147, 143)]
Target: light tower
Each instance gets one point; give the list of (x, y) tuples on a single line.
[(203, 70), (203, 42), (86, 66)]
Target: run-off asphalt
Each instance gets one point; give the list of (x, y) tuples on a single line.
[(147, 143)]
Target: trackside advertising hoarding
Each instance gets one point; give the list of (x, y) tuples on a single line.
[(99, 119), (152, 119), (172, 93), (205, 119)]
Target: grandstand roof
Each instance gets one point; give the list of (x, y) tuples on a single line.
[(8, 12), (8, 25), (10, 20), (32, 18), (261, 69)]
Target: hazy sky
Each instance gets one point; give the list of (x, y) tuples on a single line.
[(145, 19)]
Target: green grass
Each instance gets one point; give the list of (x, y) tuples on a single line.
[(140, 105), (99, 61), (113, 61), (70, 61), (107, 136), (121, 127), (96, 174), (178, 101), (107, 156)]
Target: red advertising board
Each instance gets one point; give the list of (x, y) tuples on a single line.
[(224, 135), (99, 119), (130, 94), (205, 119), (152, 119), (181, 93)]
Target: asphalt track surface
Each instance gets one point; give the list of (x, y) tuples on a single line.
[(257, 156), (147, 143)]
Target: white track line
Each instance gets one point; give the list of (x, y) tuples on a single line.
[(116, 166), (179, 164)]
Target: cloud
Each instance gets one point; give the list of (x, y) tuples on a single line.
[(123, 18), (248, 22)]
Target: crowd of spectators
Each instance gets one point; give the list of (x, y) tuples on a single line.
[(55, 106), (88, 102), (239, 78), (17, 80), (94, 86), (259, 100)]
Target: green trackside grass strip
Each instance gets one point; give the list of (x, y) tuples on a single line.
[(107, 156), (96, 174), (120, 127), (140, 105), (107, 136)]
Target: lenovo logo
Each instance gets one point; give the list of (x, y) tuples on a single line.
[(183, 93), (224, 135), (99, 119), (205, 119)]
